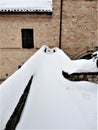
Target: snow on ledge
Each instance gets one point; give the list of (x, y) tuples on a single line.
[(25, 5)]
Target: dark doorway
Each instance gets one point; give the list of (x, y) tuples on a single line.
[(27, 38)]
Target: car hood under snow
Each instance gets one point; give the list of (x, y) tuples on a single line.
[(53, 101)]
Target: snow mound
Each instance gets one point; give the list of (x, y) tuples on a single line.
[(53, 101)]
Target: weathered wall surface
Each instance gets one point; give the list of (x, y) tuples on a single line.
[(46, 31), (79, 26), (12, 60), (79, 32)]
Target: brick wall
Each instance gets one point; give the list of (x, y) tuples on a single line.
[(79, 32), (79, 26)]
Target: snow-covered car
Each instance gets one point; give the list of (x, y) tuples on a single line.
[(53, 102)]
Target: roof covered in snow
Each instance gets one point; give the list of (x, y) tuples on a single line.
[(25, 5)]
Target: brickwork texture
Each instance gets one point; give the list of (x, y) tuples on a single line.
[(79, 32)]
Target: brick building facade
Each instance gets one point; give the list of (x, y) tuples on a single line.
[(72, 25)]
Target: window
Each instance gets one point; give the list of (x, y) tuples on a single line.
[(27, 38)]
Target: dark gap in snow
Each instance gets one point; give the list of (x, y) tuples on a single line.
[(19, 66), (54, 50), (87, 56), (89, 76), (97, 63), (49, 51), (16, 115), (45, 50), (94, 55)]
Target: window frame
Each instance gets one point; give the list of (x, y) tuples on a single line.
[(27, 35)]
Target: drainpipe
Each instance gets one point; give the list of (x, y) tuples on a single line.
[(60, 34)]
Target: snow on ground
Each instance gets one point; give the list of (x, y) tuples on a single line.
[(53, 102)]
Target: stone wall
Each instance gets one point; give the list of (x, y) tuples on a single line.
[(46, 31), (79, 32), (89, 76), (79, 26), (93, 77)]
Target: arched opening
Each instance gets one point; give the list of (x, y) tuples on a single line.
[(85, 54), (92, 77)]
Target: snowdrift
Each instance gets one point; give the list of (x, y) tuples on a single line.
[(53, 102)]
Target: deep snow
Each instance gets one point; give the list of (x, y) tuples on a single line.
[(53, 102)]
